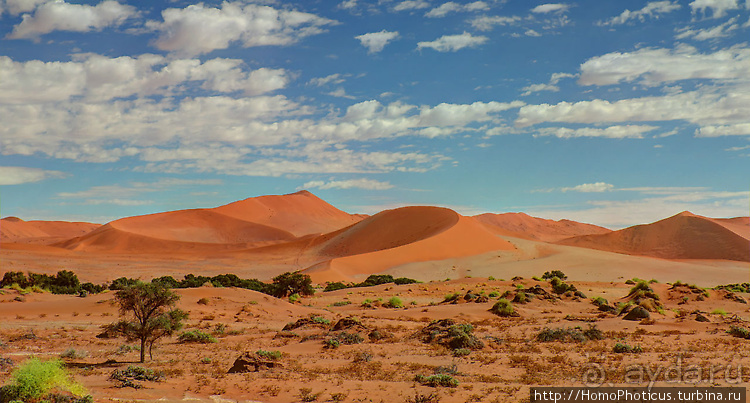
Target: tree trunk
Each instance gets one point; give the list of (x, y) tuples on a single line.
[(143, 350)]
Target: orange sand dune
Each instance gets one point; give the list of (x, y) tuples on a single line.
[(395, 237), (15, 230), (683, 236), (524, 226), (738, 225), (300, 213)]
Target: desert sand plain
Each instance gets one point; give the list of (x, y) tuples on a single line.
[(463, 265)]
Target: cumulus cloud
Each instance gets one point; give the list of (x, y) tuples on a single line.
[(488, 23), (740, 129), (452, 43), (19, 175), (650, 10), (376, 41), (368, 184), (550, 8), (720, 31), (99, 78), (612, 132), (15, 7), (411, 5), (718, 8), (598, 187), (552, 86), (61, 16), (123, 195), (198, 29), (656, 66), (453, 7), (330, 79)]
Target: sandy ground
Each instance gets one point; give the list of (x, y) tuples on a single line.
[(511, 361)]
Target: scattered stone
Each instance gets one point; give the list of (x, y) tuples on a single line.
[(250, 362)]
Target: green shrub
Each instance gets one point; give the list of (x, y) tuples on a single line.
[(124, 378), (33, 379), (196, 336), (349, 338), (503, 307), (624, 348), (342, 303), (737, 331), (719, 311), (271, 355), (493, 294), (437, 380), (336, 286), (331, 343), (404, 280), (394, 302), (548, 275), (72, 354), (599, 301), (321, 320), (294, 298), (575, 334), (461, 352), (452, 297)]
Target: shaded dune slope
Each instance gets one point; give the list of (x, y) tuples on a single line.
[(683, 236), (395, 237), (521, 225)]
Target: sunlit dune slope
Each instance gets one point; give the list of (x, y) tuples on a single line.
[(521, 225), (13, 229), (395, 237), (683, 236)]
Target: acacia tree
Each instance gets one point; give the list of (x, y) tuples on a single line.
[(150, 314)]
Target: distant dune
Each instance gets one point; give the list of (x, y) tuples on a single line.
[(395, 237), (16, 230), (521, 225), (683, 236)]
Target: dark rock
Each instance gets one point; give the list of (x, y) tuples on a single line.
[(701, 318), (249, 362), (637, 313)]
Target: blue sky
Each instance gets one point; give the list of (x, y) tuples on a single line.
[(609, 112)]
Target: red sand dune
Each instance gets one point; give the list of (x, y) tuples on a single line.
[(683, 236), (521, 225), (16, 230), (395, 237), (244, 224), (300, 213)]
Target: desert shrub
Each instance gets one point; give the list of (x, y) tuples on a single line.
[(548, 275), (126, 378), (306, 395), (560, 287), (437, 380), (336, 286), (376, 279), (503, 307), (461, 352), (420, 398), (71, 353), (122, 282), (291, 283), (522, 298), (196, 336), (599, 301), (331, 343), (719, 311), (404, 280), (271, 355), (321, 320), (394, 302), (460, 336), (493, 294), (575, 334), (349, 338), (738, 331), (33, 379), (452, 297), (167, 281), (535, 278), (642, 289), (203, 301), (342, 303), (294, 298), (626, 349)]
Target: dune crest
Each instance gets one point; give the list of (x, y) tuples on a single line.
[(16, 230), (521, 225), (683, 236)]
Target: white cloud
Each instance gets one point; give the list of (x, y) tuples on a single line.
[(452, 43), (348, 4), (487, 23), (120, 195), (720, 31), (331, 79), (341, 93), (19, 175), (453, 7), (667, 202), (531, 32), (61, 16), (411, 5), (656, 66), (376, 41), (556, 77), (718, 8), (651, 10), (740, 129), (598, 187), (612, 132), (198, 29), (99, 78), (530, 89), (15, 7), (369, 184), (550, 8)]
